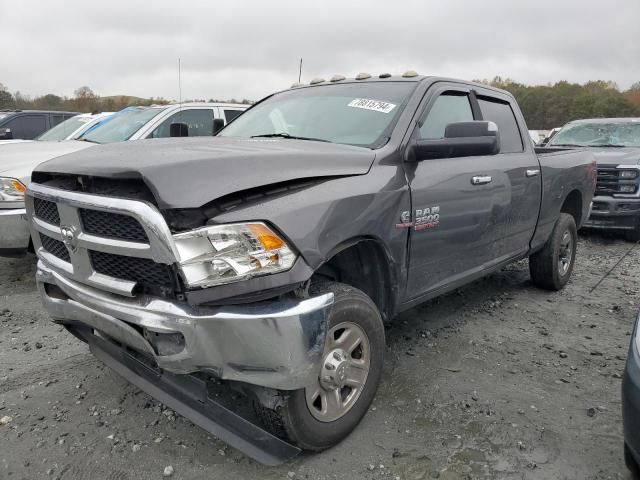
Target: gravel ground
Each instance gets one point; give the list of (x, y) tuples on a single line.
[(496, 380)]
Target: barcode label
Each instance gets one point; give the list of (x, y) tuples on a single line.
[(375, 105)]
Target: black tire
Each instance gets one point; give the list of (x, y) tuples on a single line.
[(293, 420), (544, 265), (633, 235), (631, 463)]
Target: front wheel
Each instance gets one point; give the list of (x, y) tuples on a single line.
[(551, 267), (633, 235), (324, 413)]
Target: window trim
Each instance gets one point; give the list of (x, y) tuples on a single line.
[(496, 99), (439, 93)]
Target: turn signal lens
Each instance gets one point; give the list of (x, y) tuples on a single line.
[(11, 190), (265, 236)]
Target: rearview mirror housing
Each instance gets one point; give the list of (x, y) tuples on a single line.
[(178, 130), (461, 139)]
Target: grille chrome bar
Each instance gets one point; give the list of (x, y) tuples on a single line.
[(159, 247)]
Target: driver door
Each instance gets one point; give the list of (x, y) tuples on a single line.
[(458, 203)]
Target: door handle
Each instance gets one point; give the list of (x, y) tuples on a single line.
[(480, 180), (532, 173)]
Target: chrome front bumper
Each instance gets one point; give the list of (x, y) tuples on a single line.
[(14, 231), (276, 344)]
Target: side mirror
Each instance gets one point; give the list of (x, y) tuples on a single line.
[(178, 130), (6, 134), (218, 124), (461, 139)]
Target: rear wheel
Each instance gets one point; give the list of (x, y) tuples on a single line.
[(551, 267), (324, 413)]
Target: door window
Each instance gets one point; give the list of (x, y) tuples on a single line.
[(27, 126), (56, 119), (199, 121), (231, 114), (450, 107), (502, 115)]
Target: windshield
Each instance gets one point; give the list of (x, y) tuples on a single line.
[(122, 125), (64, 129), (361, 114), (599, 134)]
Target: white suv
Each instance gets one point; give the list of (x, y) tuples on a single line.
[(17, 160)]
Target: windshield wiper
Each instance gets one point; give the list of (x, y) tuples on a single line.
[(564, 145), (608, 145), (291, 137), (87, 140)]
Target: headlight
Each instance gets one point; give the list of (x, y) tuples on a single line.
[(627, 188), (628, 174), (11, 190), (222, 254)]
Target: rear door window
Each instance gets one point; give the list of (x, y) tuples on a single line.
[(27, 126), (502, 115), (450, 107), (199, 121)]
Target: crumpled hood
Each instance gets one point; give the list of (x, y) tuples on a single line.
[(188, 173), (17, 160), (616, 156)]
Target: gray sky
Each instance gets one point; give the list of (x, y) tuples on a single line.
[(243, 49)]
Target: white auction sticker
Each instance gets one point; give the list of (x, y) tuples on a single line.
[(375, 105)]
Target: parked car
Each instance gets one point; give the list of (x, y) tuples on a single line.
[(549, 136), (268, 257), (133, 123), (74, 127), (615, 142), (631, 404), (28, 124)]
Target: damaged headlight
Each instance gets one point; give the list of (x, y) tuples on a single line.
[(221, 254), (11, 190)]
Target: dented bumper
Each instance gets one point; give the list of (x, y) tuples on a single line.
[(276, 344)]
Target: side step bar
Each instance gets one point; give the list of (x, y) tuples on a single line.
[(187, 395)]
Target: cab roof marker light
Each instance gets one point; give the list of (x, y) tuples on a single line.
[(410, 74), (384, 75), (315, 81), (363, 76), (337, 78), (297, 85)]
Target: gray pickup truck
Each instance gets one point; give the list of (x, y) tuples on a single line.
[(266, 259), (615, 143)]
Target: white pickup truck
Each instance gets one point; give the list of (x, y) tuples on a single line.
[(17, 160)]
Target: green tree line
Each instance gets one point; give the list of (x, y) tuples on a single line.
[(548, 106), (83, 100), (544, 106)]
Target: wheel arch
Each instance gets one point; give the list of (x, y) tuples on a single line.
[(573, 206), (365, 263)]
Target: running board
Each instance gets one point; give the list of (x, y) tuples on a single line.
[(187, 396)]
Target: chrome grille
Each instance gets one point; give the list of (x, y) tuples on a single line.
[(47, 211), (609, 181), (55, 248), (115, 244), (112, 225)]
